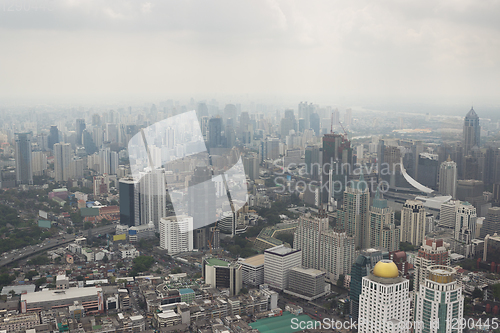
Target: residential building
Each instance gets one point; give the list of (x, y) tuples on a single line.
[(448, 178), (62, 158), (24, 164), (413, 222), (383, 231), (384, 303), (153, 196), (432, 252), (176, 234)]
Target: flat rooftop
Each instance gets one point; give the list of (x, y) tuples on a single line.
[(257, 260), (55, 295), (308, 271), (280, 250), (217, 262)]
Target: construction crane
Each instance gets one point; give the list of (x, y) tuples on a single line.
[(345, 132)]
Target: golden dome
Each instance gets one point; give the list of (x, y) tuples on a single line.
[(386, 269)]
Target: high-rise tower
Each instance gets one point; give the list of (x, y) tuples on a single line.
[(130, 213), (383, 231), (62, 159), (413, 222), (24, 166), (80, 126), (448, 178), (472, 131), (153, 196), (432, 252)]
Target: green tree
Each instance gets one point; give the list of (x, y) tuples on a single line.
[(477, 293), (340, 281), (30, 274)]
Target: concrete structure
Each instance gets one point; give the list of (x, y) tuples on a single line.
[(62, 282), (325, 249), (491, 223), (153, 196), (91, 298), (383, 231), (306, 283), (23, 156), (222, 275), (448, 178), (448, 214), (130, 212), (384, 303), (252, 270), (176, 234), (413, 222), (439, 304), (362, 267), (465, 226), (354, 216), (278, 261), (62, 158), (432, 252)]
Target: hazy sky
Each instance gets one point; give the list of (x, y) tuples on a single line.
[(440, 50)]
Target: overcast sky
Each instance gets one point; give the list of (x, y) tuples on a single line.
[(440, 50)]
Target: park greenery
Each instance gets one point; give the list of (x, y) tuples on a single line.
[(141, 264)]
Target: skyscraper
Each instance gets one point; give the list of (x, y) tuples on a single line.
[(413, 222), (24, 166), (326, 249), (62, 158), (153, 196), (176, 234), (278, 261), (130, 212), (39, 162), (215, 133), (337, 156), (354, 216), (80, 126), (491, 223), (448, 178), (362, 267), (201, 197), (384, 303), (439, 304), (53, 136), (315, 123), (432, 252), (472, 131), (287, 123), (465, 225), (383, 231), (305, 111)]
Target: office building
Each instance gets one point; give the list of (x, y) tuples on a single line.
[(465, 223), (439, 304), (354, 217), (306, 283), (222, 275), (491, 223), (53, 137), (314, 123), (153, 196), (312, 161), (305, 111), (80, 126), (413, 222), (39, 163), (176, 234), (471, 132), (448, 214), (428, 168), (432, 252), (252, 270), (215, 133), (24, 164), (448, 178), (338, 161), (202, 198), (62, 159), (251, 165), (329, 250), (130, 211), (278, 261), (383, 231), (362, 267), (384, 303), (288, 123)]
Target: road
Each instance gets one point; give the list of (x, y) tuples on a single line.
[(8, 258)]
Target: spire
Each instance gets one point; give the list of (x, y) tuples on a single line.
[(449, 158)]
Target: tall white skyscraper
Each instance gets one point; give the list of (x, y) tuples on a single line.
[(153, 196), (39, 161), (383, 231), (439, 304), (384, 303), (413, 222), (448, 178), (176, 234), (465, 225), (104, 160), (62, 159)]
